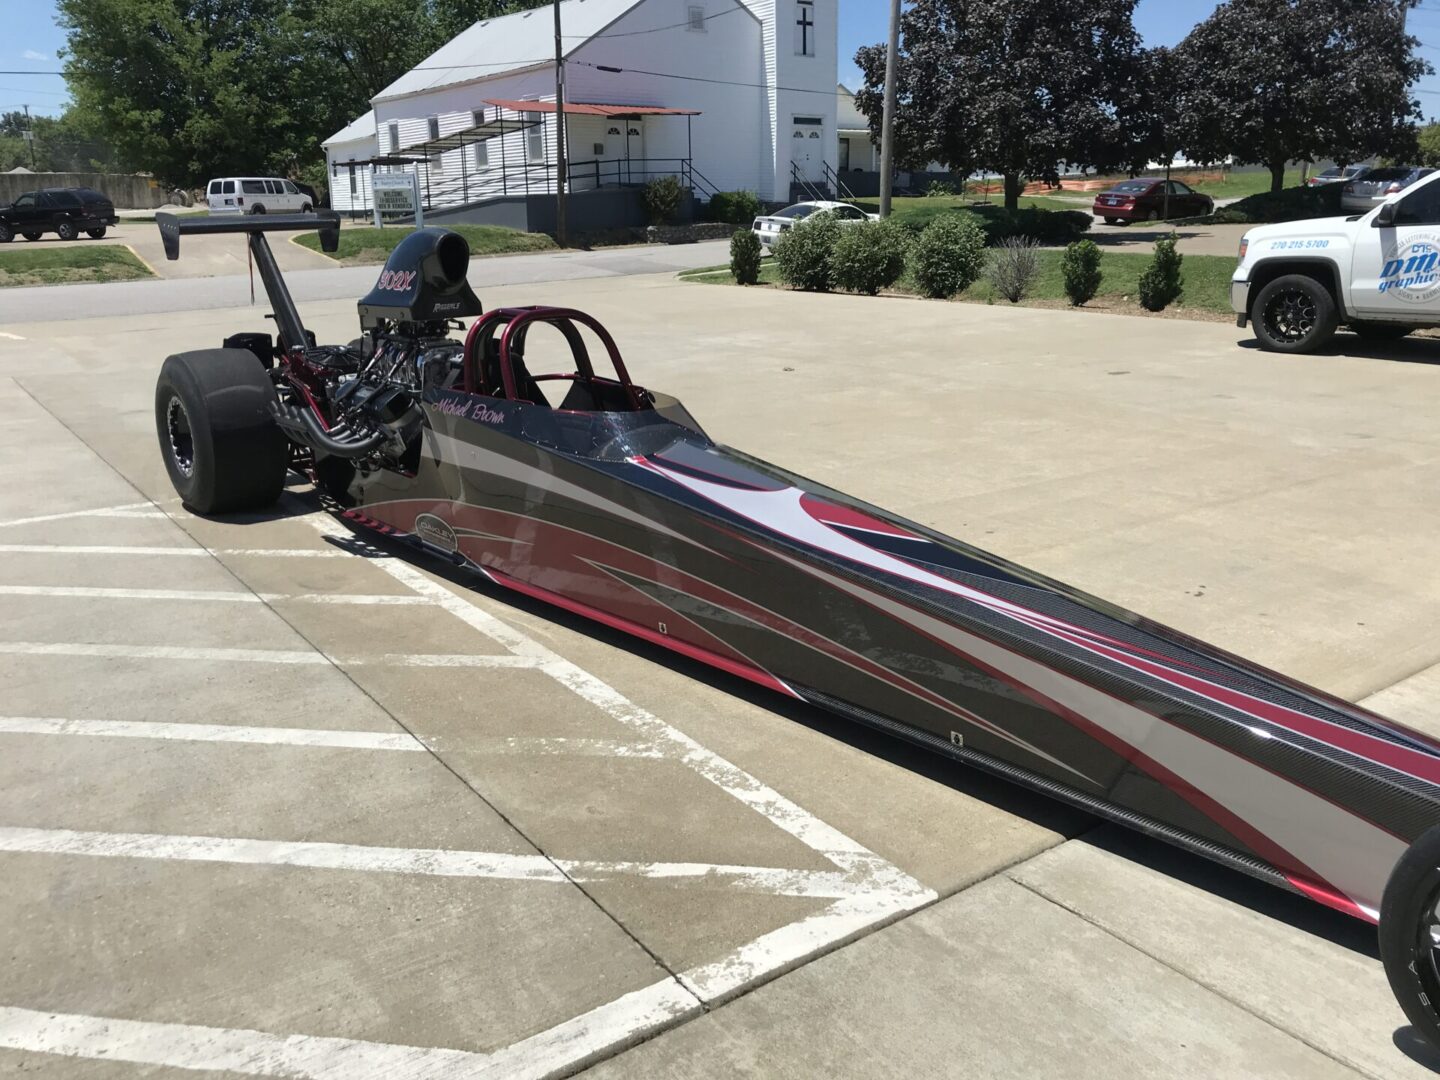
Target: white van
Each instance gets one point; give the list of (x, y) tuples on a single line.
[(257, 195)]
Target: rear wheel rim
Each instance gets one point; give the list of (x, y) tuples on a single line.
[(1425, 959), (1292, 315), (182, 441)]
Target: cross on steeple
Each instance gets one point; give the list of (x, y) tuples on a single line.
[(804, 23)]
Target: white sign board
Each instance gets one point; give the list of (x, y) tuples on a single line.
[(397, 193)]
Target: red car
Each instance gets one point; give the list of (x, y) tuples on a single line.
[(1144, 200)]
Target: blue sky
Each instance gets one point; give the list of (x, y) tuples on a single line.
[(32, 39)]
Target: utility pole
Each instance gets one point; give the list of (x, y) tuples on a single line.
[(887, 119), (559, 132), (29, 136)]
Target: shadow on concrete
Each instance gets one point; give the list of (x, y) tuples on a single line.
[(1410, 350), (1222, 881), (1413, 1045)]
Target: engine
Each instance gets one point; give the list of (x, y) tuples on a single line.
[(362, 402)]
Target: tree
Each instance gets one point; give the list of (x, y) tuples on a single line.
[(188, 89), (1015, 87), (1159, 110), (62, 144), (1285, 80), (1428, 142)]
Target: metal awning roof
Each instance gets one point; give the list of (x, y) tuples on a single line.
[(577, 108), (500, 125)]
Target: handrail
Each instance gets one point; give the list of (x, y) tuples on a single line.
[(841, 191), (805, 185)]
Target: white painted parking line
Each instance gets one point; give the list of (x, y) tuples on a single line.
[(219, 733), (261, 656), (175, 551), (9, 336), (218, 596), (129, 510), (317, 737), (428, 862), (561, 1049)]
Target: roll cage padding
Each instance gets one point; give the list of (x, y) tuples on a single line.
[(512, 324)]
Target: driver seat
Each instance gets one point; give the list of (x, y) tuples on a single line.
[(492, 384)]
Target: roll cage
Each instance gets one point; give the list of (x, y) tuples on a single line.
[(494, 364)]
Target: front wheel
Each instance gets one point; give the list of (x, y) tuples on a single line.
[(96, 234), (66, 230), (257, 210), (1294, 314), (305, 209), (1410, 934), (1381, 331), (222, 448)]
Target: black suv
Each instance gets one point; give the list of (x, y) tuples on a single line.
[(67, 212)]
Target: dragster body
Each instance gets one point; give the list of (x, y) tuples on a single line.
[(609, 500)]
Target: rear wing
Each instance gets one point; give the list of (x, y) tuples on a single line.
[(255, 226), (172, 227)]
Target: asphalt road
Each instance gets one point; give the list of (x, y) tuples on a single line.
[(274, 802)]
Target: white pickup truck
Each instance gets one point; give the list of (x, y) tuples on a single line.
[(1378, 274)]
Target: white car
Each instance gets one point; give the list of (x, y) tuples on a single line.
[(256, 195), (769, 227)]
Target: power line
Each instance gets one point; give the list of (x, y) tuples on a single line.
[(32, 73)]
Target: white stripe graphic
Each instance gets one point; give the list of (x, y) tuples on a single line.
[(429, 862), (1343, 848)]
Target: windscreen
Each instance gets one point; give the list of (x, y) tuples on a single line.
[(1387, 174)]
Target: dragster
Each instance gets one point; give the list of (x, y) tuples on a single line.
[(607, 499)]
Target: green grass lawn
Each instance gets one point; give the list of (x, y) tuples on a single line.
[(73, 262), (371, 245), (1207, 281)]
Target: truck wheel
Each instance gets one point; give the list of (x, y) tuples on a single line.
[(1381, 331), (257, 210), (222, 449), (305, 209), (66, 230), (1294, 314), (1410, 934), (32, 236), (96, 234), (6, 233)]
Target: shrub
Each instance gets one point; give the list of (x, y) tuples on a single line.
[(1291, 204), (867, 257), (1046, 226), (745, 257), (1161, 282), (662, 199), (1014, 265), (1080, 267), (735, 207), (937, 188), (802, 254), (948, 256)]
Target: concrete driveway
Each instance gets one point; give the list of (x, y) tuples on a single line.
[(277, 803)]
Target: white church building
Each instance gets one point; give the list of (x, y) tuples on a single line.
[(723, 94)]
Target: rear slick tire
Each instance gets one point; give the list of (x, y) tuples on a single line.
[(221, 446), (1409, 946)]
